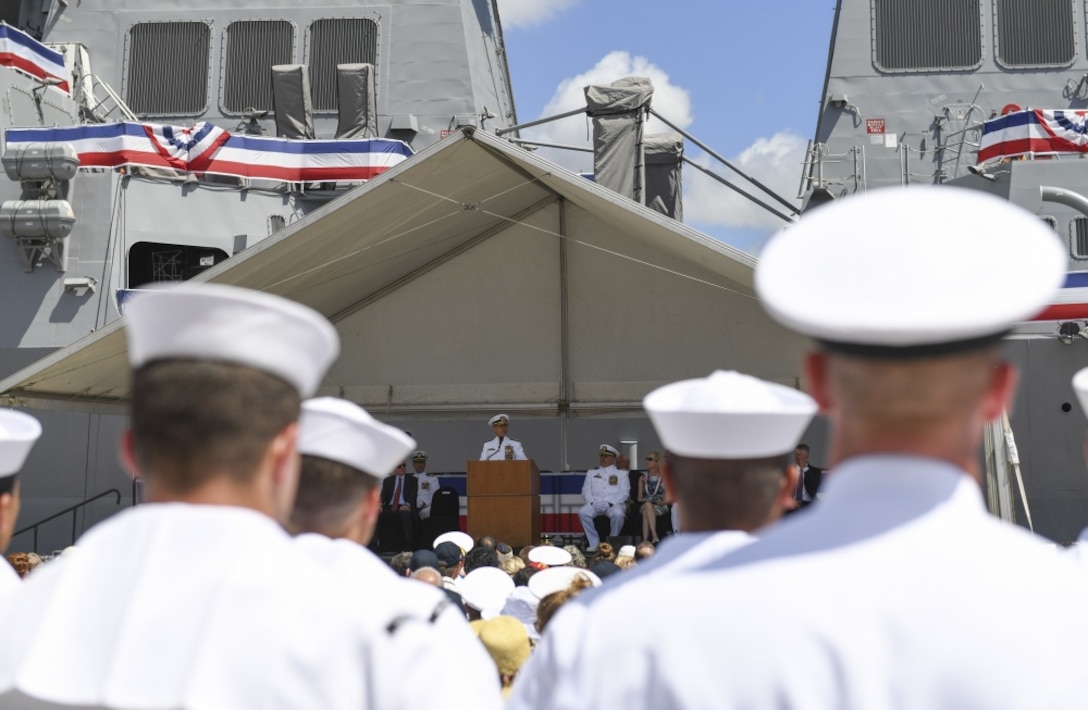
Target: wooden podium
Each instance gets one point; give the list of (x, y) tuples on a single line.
[(504, 501)]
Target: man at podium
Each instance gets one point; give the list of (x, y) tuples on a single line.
[(502, 448)]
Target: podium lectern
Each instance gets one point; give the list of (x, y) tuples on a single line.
[(504, 501)]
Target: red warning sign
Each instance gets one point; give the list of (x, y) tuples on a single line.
[(874, 125)]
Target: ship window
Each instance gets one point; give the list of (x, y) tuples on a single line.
[(252, 48), (1034, 33), (916, 35), (168, 68), (1078, 238), (340, 41), (153, 263), (1049, 221)]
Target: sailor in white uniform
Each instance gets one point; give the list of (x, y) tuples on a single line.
[(18, 432), (199, 598), (346, 454), (887, 594), (605, 491), (426, 483), (502, 447)]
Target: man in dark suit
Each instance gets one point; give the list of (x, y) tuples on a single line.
[(808, 482), (396, 523)]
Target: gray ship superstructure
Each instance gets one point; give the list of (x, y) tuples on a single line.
[(914, 88), (365, 159), (421, 70)]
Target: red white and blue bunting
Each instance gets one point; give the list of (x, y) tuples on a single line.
[(21, 51), (1035, 132), (206, 148), (1071, 302)]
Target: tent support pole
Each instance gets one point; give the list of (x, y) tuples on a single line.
[(564, 340)]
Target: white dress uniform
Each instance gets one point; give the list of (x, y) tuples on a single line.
[(193, 606), (899, 592), (496, 450), (605, 491), (9, 579), (431, 635), (428, 483)]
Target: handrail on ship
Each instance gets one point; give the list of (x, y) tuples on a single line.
[(72, 509)]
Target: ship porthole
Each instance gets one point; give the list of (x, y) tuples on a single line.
[(1066, 407)]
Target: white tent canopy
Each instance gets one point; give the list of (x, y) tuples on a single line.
[(477, 276)]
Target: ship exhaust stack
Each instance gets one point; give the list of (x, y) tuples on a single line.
[(358, 107), (664, 188), (291, 99), (619, 111)]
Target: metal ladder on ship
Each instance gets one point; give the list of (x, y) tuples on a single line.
[(100, 109)]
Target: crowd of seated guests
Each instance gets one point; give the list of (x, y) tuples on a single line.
[(510, 611)]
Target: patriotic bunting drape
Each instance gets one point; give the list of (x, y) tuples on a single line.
[(206, 148)]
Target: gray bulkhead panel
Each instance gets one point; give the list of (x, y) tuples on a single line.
[(435, 60)]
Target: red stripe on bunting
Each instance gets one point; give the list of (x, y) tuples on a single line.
[(274, 172), (1064, 311), (8, 59)]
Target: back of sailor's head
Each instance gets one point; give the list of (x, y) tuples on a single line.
[(728, 436), (218, 373), (345, 454), (908, 293)]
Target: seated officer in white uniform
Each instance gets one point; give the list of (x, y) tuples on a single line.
[(426, 484), (199, 598), (605, 492), (501, 447), (346, 454), (18, 432), (885, 595)]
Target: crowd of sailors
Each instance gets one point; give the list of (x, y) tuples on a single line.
[(246, 583)]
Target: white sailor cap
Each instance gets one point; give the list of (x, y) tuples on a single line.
[(910, 272), (499, 419), (18, 432), (344, 432), (462, 539), (486, 589), (1080, 386), (419, 455), (607, 450), (729, 415), (235, 325), (556, 579), (550, 555), (626, 551)]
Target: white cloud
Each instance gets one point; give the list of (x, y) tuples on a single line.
[(525, 13), (669, 100), (775, 162)]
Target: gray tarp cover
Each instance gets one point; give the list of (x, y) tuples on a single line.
[(664, 153), (617, 112), (291, 98), (358, 109)]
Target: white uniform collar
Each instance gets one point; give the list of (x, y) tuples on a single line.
[(895, 477)]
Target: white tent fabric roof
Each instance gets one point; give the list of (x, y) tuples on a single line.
[(477, 275)]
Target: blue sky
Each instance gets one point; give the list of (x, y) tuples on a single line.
[(745, 78)]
